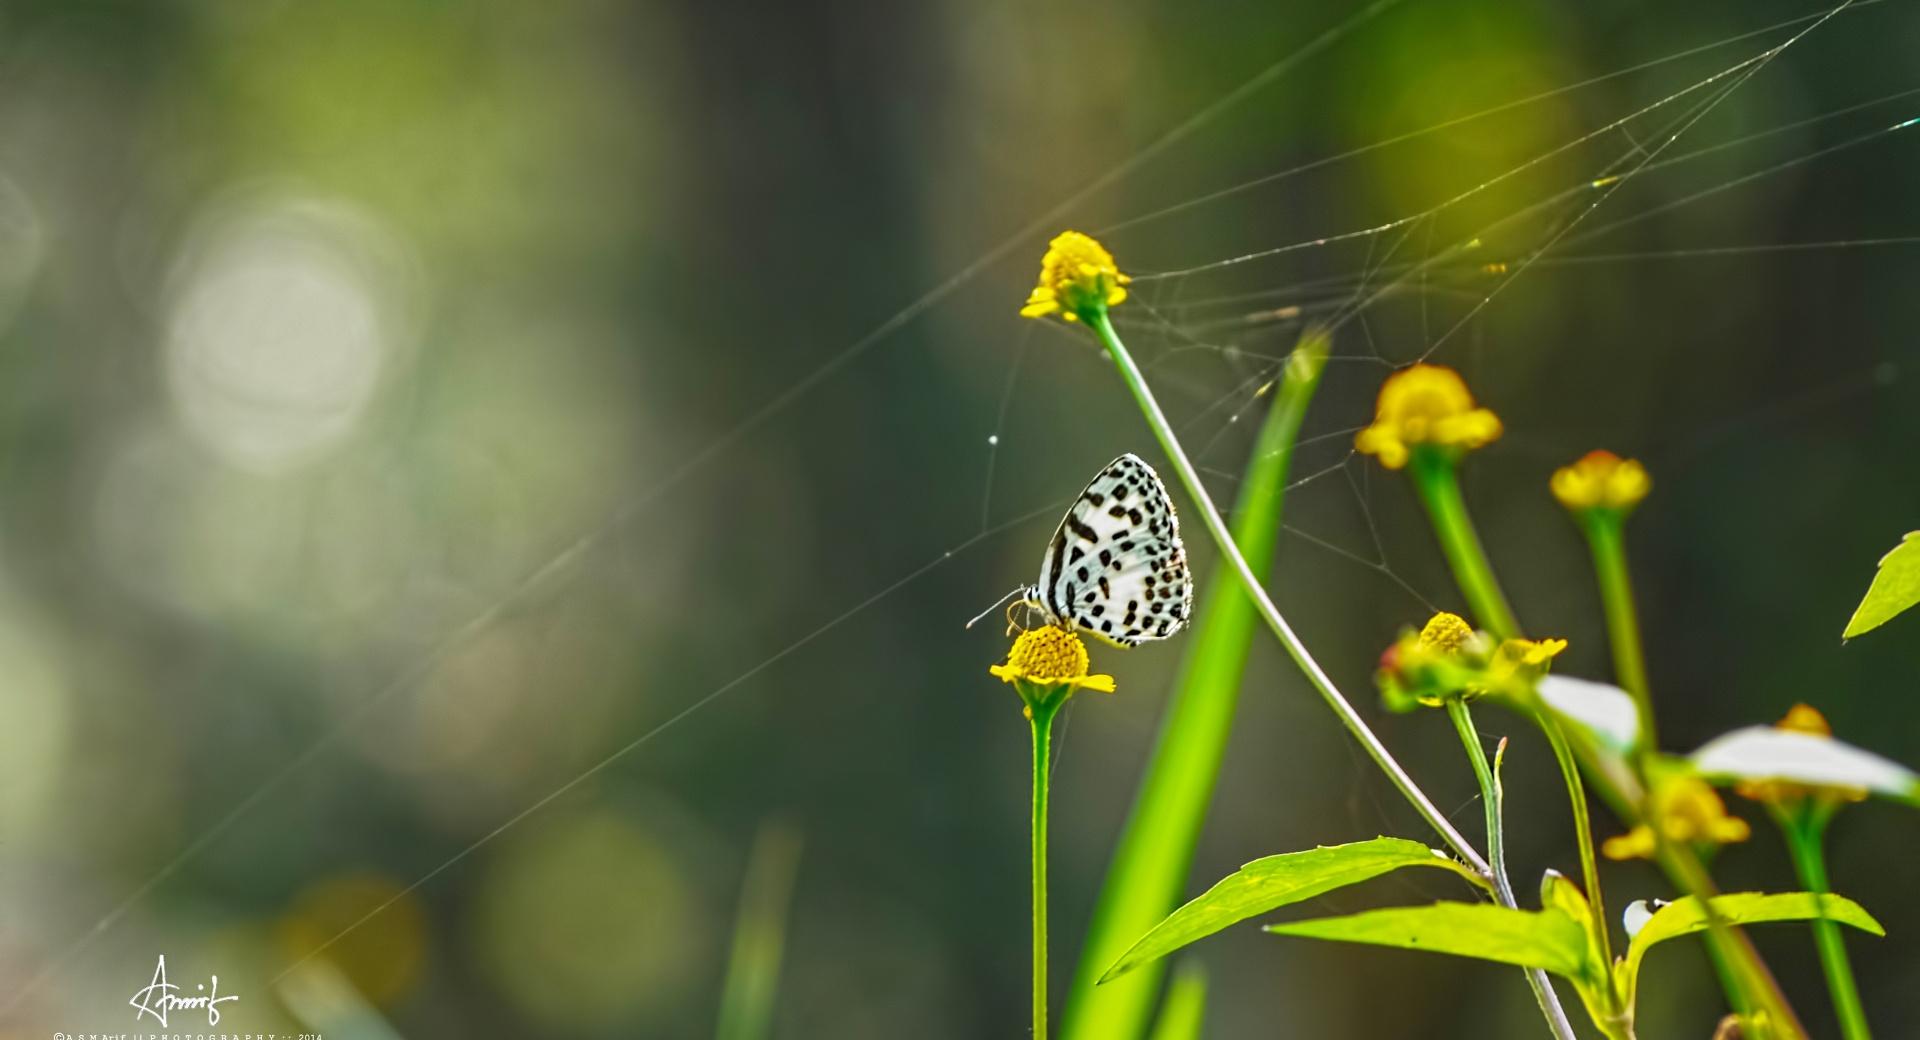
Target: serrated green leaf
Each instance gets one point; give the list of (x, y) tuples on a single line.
[(1896, 587), (1687, 916), (1275, 881), (1546, 939)]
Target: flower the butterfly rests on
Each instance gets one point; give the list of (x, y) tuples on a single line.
[(1115, 568)]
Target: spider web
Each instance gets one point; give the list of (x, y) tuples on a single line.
[(1213, 334)]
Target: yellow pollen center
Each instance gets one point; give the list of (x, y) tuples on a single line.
[(1049, 654)]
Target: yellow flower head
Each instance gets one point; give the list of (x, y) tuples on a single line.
[(1076, 275), (1805, 718), (1801, 718), (1446, 632), (1687, 810), (1425, 404), (1601, 480), (1050, 656)]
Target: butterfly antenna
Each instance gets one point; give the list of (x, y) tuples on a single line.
[(996, 606)]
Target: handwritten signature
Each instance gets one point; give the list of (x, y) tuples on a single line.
[(160, 998)]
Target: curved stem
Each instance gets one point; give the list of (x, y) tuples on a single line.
[(1583, 833), (1223, 539), (1490, 798)]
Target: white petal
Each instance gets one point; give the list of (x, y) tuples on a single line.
[(1766, 753), (1606, 710)]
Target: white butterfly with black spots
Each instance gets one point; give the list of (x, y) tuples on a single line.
[(1115, 568)]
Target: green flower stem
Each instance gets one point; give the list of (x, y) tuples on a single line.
[(1148, 873), (1582, 832), (1605, 533), (1490, 799), (1438, 484), (1043, 703), (1806, 832), (1097, 319)]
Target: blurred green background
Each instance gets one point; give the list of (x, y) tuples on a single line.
[(404, 405)]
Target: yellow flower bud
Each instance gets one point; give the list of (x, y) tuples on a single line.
[(1076, 275), (1601, 480), (1425, 404)]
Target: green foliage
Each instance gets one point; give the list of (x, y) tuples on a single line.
[(1151, 860), (1554, 939), (760, 934), (1184, 1013), (1896, 587), (1546, 939), (1688, 916), (1275, 881)]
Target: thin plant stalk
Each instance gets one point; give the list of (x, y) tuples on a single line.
[(1148, 871), (1491, 799), (1223, 539), (1606, 539), (1041, 712), (1752, 985), (1806, 831)]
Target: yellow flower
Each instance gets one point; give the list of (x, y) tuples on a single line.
[(1446, 632), (1076, 275), (1687, 810), (1053, 657), (1601, 480), (1801, 718), (1425, 404)]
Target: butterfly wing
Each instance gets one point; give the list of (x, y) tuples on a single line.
[(1115, 568)]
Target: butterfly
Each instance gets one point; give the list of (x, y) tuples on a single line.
[(1115, 568)]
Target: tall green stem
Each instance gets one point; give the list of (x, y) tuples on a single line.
[(1040, 711), (1806, 839), (1223, 539), (1490, 799), (1434, 476), (1582, 832), (1606, 538)]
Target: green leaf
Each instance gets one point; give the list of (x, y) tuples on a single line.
[(1687, 916), (1770, 753), (1895, 588), (1184, 1012), (1149, 870), (1275, 881), (1546, 939), (760, 934)]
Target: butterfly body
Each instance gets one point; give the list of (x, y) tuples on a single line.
[(1115, 568)]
